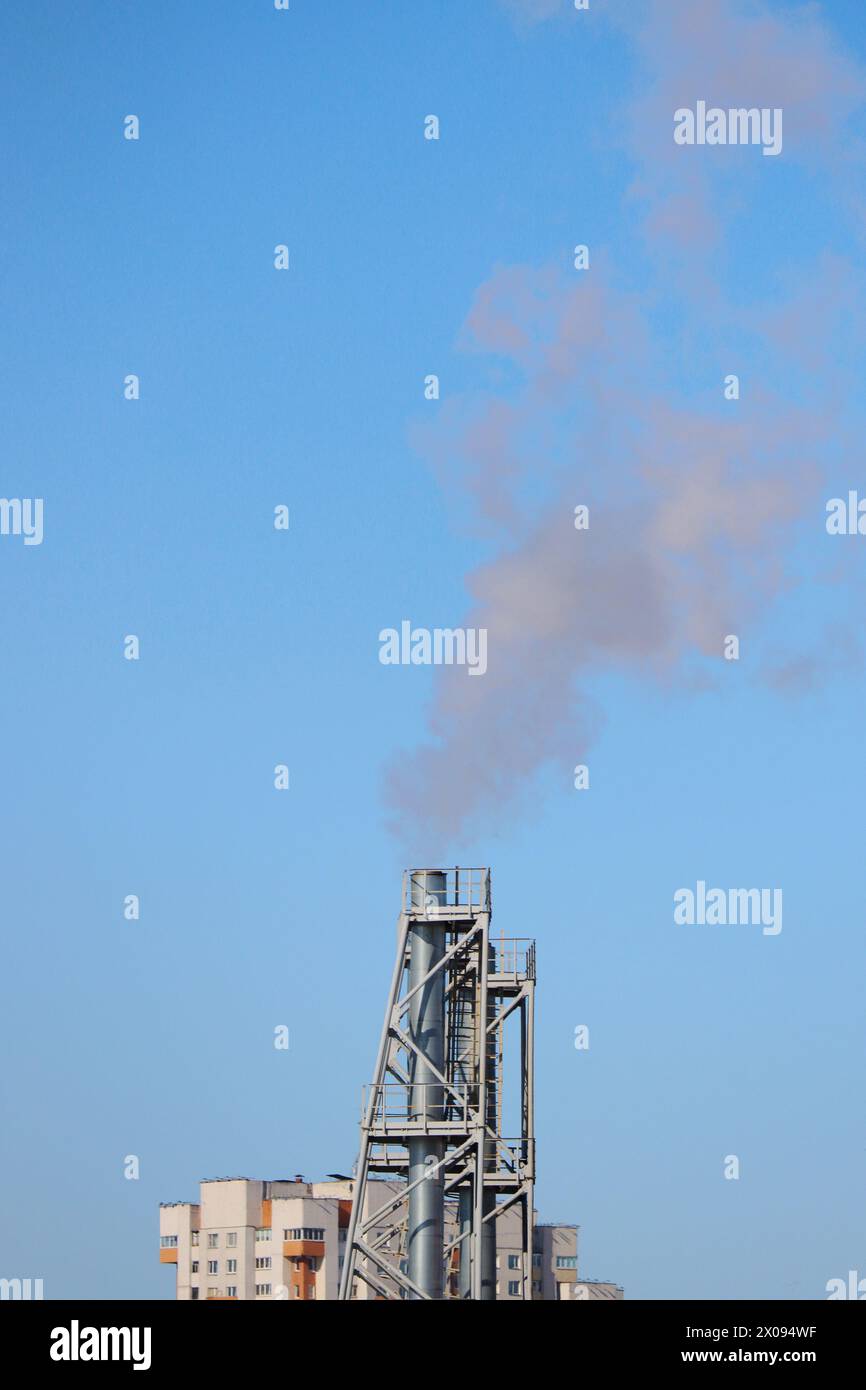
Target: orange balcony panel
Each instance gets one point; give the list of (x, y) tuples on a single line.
[(298, 1249), (167, 1256)]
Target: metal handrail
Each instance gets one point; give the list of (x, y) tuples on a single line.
[(397, 1102), (512, 955), (465, 888)]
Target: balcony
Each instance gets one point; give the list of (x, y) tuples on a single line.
[(303, 1249)]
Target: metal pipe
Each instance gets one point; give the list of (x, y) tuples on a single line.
[(488, 1229), (425, 1233)]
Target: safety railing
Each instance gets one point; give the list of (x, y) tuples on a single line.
[(456, 892), (512, 956), (513, 1158), (427, 1105)]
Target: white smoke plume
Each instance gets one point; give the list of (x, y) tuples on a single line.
[(694, 502)]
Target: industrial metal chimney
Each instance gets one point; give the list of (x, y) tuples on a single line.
[(426, 948), (433, 1115)]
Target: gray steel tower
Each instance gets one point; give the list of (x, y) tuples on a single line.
[(444, 1092)]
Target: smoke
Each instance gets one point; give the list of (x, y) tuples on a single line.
[(694, 501)]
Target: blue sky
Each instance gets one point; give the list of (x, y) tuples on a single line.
[(257, 647)]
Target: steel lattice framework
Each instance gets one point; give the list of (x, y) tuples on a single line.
[(433, 1114)]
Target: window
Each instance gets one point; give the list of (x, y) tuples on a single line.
[(168, 1242), (231, 1266), (263, 1290), (513, 1261), (232, 1291), (536, 1286), (195, 1266), (194, 1235), (193, 1293), (263, 1233), (305, 1233), (213, 1240), (513, 1288), (536, 1257), (213, 1266), (213, 1293), (232, 1239), (566, 1262), (263, 1262), (314, 1263)]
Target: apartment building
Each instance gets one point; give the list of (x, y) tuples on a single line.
[(247, 1239), (286, 1239), (554, 1268)]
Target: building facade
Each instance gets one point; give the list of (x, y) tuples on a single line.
[(286, 1240)]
